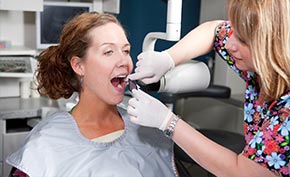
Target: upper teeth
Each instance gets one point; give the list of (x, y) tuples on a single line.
[(121, 76)]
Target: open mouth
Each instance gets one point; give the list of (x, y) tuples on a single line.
[(119, 82)]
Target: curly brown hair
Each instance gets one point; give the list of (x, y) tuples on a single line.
[(54, 74)]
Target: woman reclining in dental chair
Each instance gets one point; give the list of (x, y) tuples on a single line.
[(96, 138)]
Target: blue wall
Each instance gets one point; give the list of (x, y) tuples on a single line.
[(140, 17)]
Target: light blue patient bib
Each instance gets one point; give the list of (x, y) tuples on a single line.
[(56, 148)]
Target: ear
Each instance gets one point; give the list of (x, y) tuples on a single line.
[(77, 65)]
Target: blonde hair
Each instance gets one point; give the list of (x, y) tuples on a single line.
[(264, 26)]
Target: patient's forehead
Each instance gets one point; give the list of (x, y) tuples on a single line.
[(110, 33)]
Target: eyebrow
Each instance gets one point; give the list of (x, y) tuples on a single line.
[(110, 43)]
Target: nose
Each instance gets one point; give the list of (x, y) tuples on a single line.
[(124, 59), (230, 45)]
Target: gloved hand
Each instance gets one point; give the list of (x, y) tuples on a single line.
[(151, 66), (145, 110)]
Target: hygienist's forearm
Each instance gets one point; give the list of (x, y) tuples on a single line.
[(214, 157), (196, 43)]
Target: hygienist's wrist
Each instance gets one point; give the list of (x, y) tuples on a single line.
[(172, 62), (170, 120), (166, 119), (169, 131)]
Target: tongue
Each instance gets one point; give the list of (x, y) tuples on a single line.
[(116, 82)]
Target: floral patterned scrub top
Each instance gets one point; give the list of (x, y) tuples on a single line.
[(266, 127)]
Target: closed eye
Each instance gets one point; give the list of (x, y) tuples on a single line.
[(241, 40)]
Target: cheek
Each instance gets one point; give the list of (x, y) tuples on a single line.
[(96, 69), (247, 54), (231, 46), (248, 60), (130, 65)]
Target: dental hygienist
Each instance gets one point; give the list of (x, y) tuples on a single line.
[(255, 44)]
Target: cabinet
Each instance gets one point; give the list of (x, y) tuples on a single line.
[(17, 117), (27, 5)]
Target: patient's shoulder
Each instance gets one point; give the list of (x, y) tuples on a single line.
[(57, 125)]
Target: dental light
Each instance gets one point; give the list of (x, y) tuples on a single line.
[(189, 76)]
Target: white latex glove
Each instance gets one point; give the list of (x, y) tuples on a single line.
[(146, 110), (151, 66)]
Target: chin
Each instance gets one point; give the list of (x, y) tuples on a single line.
[(241, 67), (118, 99)]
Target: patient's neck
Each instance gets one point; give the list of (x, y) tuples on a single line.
[(97, 121)]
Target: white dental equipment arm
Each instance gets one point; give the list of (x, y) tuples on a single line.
[(173, 26), (190, 76)]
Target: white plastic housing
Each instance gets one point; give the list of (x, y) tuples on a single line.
[(187, 77)]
